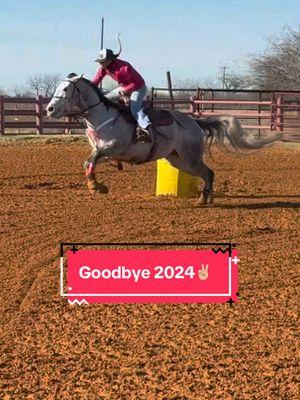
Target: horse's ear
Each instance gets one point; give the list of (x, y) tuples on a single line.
[(72, 75)]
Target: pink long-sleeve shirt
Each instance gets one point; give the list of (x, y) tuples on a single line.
[(122, 72)]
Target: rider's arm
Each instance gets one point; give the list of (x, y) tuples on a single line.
[(100, 74), (131, 76)]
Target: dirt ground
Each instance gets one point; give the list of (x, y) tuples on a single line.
[(52, 350)]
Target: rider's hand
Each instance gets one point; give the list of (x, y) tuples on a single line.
[(125, 97), (124, 93)]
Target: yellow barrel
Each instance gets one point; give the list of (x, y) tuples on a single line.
[(172, 181)]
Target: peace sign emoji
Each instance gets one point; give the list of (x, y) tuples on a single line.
[(203, 272)]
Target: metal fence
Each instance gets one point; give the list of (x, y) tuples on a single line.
[(27, 115), (259, 110)]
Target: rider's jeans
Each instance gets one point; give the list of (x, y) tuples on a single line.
[(136, 100)]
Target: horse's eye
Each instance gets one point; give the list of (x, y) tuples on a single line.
[(65, 89)]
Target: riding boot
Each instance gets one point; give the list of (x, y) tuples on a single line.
[(144, 135)]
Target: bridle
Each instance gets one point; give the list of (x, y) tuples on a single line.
[(75, 88)]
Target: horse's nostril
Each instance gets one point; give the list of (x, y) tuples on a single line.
[(50, 109)]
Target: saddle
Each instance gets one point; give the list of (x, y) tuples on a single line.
[(157, 117)]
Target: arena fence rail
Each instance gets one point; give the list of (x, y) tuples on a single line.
[(261, 110)]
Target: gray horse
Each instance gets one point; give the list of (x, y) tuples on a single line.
[(111, 133)]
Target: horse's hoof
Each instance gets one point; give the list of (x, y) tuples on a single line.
[(206, 198), (92, 184), (202, 200), (210, 199)]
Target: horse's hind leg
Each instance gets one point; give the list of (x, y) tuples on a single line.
[(197, 167), (207, 192)]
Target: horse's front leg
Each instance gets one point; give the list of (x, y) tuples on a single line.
[(87, 162), (90, 173)]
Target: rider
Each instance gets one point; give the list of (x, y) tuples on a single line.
[(131, 85)]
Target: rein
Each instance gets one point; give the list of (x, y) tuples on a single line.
[(80, 113)]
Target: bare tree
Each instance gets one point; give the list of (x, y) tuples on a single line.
[(222, 77), (20, 91), (235, 81), (50, 82), (35, 84), (279, 67), (43, 84)]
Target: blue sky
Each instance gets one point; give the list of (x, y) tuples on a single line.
[(191, 38)]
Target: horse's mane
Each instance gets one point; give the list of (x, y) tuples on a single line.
[(107, 102)]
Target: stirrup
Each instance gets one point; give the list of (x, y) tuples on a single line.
[(143, 135)]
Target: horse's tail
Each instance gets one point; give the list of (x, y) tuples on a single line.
[(227, 133)]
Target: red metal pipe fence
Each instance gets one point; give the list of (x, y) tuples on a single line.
[(257, 109), (241, 114), (29, 114), (261, 110), (2, 116)]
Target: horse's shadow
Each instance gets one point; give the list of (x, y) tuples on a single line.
[(257, 206), (256, 196)]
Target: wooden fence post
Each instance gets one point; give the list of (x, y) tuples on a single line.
[(152, 97), (259, 112), (154, 100), (170, 90), (212, 99), (198, 98), (67, 120), (193, 106), (2, 117), (272, 117), (279, 114), (39, 115)]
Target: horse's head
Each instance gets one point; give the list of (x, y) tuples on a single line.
[(66, 99)]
